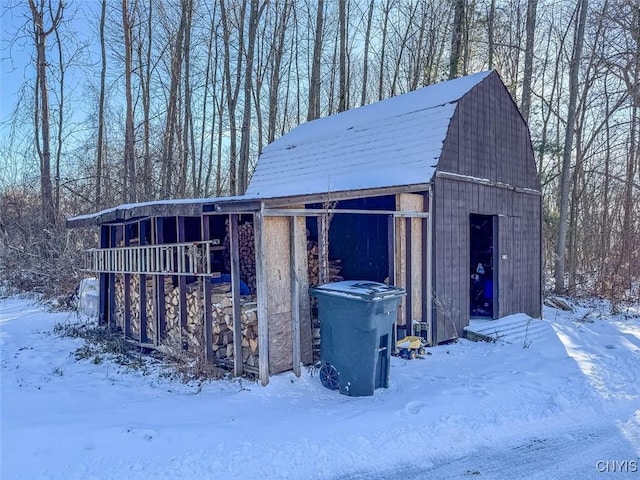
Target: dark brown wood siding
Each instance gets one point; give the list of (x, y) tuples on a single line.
[(489, 140)]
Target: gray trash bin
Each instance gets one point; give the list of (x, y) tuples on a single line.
[(356, 334)]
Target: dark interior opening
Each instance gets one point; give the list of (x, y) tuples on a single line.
[(482, 251), (359, 241)]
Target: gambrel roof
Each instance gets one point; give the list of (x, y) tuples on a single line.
[(396, 142), (390, 143)]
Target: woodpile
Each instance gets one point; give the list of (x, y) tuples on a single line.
[(119, 300), (134, 300), (222, 314), (192, 336), (246, 254), (313, 265)]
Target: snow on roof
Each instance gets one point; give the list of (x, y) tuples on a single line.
[(393, 142)]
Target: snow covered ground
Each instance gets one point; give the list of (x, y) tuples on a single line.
[(567, 406)]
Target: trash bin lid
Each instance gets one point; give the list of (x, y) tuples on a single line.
[(360, 290)]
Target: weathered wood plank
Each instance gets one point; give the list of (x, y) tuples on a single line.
[(277, 256), (235, 293), (206, 295), (261, 293)]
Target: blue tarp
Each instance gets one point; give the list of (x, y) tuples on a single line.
[(226, 278)]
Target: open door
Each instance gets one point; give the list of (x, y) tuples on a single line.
[(482, 266)]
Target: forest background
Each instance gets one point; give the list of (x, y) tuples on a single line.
[(125, 101)]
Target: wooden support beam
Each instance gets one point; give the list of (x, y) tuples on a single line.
[(408, 285), (127, 289), (206, 294), (425, 269), (263, 321), (323, 249), (160, 285), (409, 257), (235, 293), (295, 298), (142, 231), (105, 293), (182, 281), (430, 256)]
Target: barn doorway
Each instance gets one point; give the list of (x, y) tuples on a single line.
[(483, 278)]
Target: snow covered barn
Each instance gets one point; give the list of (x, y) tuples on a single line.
[(435, 191)]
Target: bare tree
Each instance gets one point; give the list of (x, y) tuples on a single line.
[(42, 107), (342, 89), (385, 25), (565, 181), (278, 44), (365, 55), (254, 16), (101, 104), (457, 33), (525, 106), (129, 139), (314, 81)]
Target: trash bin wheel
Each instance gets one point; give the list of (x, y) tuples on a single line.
[(329, 377)]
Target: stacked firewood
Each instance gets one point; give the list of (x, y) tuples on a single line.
[(134, 308), (119, 300), (192, 337), (313, 265), (246, 253), (222, 314)]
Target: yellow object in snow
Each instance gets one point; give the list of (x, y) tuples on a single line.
[(411, 346)]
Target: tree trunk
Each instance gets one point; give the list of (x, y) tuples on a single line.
[(456, 38), (565, 179), (245, 141), (144, 67), (171, 124), (342, 20), (129, 147), (42, 108), (60, 125), (532, 6), (279, 39), (101, 102), (232, 90), (187, 129), (385, 24), (314, 81), (365, 55), (491, 32)]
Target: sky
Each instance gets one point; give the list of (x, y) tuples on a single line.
[(562, 402), (15, 59), (17, 49)]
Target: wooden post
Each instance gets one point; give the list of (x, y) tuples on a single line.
[(409, 257), (182, 280), (431, 327), (263, 321), (408, 284), (142, 230), (127, 287), (159, 286), (105, 292), (235, 294), (206, 293), (391, 243), (295, 298), (111, 321), (425, 266), (323, 249)]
